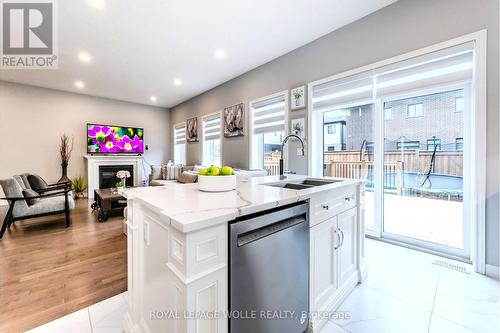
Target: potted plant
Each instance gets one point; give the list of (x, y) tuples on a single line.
[(79, 186), (65, 149)]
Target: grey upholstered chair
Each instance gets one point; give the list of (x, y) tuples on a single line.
[(25, 203)]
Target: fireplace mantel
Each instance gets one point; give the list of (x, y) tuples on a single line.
[(94, 161)]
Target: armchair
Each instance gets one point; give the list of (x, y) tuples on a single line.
[(53, 199)]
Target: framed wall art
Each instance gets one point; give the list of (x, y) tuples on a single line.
[(192, 130), (234, 120), (298, 98)]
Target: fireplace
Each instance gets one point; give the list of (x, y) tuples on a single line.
[(107, 175), (118, 162)]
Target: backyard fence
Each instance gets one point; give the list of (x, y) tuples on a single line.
[(347, 164), (446, 162), (393, 173)]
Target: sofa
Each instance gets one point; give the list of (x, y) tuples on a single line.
[(162, 174)]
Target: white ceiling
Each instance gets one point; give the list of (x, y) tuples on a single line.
[(138, 47)]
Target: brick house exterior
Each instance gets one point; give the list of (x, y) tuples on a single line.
[(416, 119)]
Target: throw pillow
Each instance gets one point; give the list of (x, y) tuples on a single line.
[(164, 172), (187, 177), (31, 196), (37, 182), (173, 172), (19, 180), (156, 172), (24, 177)]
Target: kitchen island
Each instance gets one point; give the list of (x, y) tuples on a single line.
[(178, 253)]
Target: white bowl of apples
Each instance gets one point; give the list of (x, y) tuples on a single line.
[(215, 179)]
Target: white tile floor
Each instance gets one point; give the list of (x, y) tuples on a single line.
[(102, 317), (404, 292)]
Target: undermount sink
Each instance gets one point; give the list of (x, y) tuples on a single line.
[(303, 184)]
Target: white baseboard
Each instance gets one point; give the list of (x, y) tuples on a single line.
[(493, 271)]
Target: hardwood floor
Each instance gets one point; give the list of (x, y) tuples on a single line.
[(48, 271)]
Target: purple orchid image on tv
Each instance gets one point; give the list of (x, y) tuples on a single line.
[(113, 139)]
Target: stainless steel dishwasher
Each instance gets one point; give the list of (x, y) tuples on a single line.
[(269, 271)]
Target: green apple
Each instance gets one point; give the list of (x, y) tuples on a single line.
[(226, 171), (203, 172), (213, 171)]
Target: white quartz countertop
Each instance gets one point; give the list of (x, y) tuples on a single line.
[(188, 209)]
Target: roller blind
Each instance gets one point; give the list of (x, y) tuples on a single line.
[(180, 134), (443, 67), (338, 92), (268, 115), (211, 127)]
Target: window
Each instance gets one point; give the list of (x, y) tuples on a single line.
[(180, 144), (459, 104), (268, 119), (387, 113), (431, 143), (408, 145), (415, 110), (212, 140), (331, 129), (459, 143)]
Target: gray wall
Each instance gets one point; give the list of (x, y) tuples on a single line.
[(32, 120), (402, 27)]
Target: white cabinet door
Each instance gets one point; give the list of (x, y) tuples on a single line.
[(323, 240), (347, 251)]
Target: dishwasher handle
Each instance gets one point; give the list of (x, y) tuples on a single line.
[(256, 234)]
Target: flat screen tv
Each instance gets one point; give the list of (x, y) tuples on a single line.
[(108, 139)]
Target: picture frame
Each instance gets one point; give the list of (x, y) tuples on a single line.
[(298, 127), (298, 98), (234, 120), (192, 129)]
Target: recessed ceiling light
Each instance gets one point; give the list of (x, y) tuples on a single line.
[(84, 57), (178, 82), (152, 98), (220, 54), (79, 84), (98, 4)]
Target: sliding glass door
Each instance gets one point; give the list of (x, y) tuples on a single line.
[(406, 130), (424, 142)]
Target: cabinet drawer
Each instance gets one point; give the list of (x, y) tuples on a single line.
[(331, 203)]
